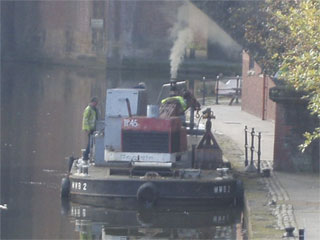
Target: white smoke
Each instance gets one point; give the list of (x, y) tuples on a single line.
[(191, 20), (182, 36)]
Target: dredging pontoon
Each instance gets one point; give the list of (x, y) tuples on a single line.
[(139, 159)]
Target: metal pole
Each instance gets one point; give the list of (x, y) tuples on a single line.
[(246, 145), (193, 155), (259, 151), (203, 90), (129, 108), (237, 90), (251, 167), (217, 89), (301, 234), (191, 87), (252, 146)]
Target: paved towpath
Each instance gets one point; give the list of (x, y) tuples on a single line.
[(297, 195)]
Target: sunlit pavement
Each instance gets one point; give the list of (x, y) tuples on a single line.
[(301, 190)]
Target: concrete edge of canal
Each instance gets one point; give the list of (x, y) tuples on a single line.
[(259, 217)]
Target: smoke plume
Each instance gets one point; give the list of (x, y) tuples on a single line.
[(182, 36), (192, 23)]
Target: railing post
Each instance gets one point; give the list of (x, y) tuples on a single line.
[(191, 87), (251, 167), (246, 145), (217, 89), (259, 151), (252, 146), (301, 234), (193, 155), (203, 90), (237, 90)]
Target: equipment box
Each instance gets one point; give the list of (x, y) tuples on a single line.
[(116, 105)]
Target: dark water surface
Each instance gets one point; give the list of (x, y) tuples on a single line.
[(41, 114)]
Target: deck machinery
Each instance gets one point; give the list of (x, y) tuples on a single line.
[(142, 160)]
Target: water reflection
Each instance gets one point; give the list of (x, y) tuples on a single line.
[(100, 223), (41, 109)]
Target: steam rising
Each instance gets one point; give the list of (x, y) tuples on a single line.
[(182, 37), (191, 22)]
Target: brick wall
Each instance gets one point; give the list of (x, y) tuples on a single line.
[(255, 91), (292, 120)]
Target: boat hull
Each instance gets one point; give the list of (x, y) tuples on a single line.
[(132, 192)]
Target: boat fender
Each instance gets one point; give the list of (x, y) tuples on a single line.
[(65, 187), (239, 193), (147, 194), (70, 163)]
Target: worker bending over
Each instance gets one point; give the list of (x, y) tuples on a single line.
[(177, 105)]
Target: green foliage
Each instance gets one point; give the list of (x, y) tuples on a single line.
[(300, 64), (285, 35), (279, 34)]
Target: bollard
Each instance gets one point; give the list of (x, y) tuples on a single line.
[(289, 232), (301, 234), (246, 145)]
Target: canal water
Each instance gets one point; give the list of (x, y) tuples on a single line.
[(41, 115)]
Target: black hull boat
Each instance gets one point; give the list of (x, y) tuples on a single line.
[(147, 161)]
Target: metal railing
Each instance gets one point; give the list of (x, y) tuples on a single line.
[(250, 166), (237, 90)]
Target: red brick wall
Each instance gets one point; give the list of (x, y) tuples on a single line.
[(281, 154), (255, 91)]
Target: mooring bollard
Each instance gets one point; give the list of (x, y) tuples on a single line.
[(289, 232), (301, 234)]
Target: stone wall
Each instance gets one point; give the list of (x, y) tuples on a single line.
[(86, 31), (255, 90), (56, 30), (118, 34)]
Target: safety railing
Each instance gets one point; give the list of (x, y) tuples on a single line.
[(250, 167), (218, 89)]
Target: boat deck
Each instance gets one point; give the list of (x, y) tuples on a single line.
[(103, 173)]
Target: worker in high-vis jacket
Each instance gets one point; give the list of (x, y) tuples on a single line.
[(177, 105), (90, 116)]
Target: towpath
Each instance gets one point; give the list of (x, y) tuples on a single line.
[(284, 199)]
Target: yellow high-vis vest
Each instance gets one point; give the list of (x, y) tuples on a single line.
[(89, 119)]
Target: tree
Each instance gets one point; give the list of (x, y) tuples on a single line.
[(300, 62), (282, 36)]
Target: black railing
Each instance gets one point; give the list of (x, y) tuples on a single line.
[(250, 166)]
